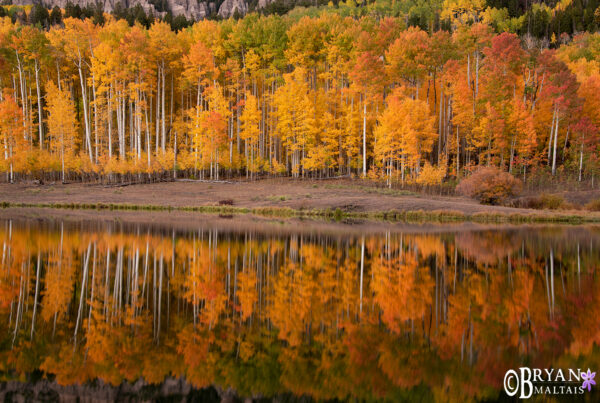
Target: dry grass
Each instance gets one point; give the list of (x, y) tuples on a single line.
[(594, 205), (339, 200), (544, 202), (337, 214)]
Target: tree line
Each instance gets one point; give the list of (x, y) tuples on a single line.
[(301, 96)]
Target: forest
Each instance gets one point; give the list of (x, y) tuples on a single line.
[(400, 317), (306, 95)]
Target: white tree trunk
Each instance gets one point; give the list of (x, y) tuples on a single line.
[(364, 139), (39, 104), (85, 109)]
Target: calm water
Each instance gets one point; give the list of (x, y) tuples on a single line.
[(392, 315)]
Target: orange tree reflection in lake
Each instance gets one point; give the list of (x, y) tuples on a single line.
[(392, 315)]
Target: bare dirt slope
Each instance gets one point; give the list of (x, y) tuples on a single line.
[(353, 196)]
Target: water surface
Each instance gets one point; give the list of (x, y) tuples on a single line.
[(216, 312)]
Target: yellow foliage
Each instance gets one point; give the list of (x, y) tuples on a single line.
[(430, 175)]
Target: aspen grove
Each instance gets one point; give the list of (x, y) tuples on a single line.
[(303, 97)]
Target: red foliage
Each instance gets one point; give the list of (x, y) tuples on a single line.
[(489, 185)]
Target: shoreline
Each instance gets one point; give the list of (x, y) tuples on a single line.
[(336, 200), (178, 222), (393, 216)]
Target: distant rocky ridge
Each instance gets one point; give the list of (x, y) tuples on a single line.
[(190, 9)]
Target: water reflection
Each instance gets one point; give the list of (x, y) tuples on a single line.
[(394, 315)]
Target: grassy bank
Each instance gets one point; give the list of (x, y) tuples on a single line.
[(337, 214)]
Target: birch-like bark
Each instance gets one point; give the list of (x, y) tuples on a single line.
[(581, 159), (85, 107), (39, 104), (82, 294), (37, 291), (555, 145), (109, 113), (365, 136), (163, 126)]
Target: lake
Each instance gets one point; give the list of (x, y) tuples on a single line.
[(118, 310)]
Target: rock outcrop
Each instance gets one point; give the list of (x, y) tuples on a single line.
[(263, 3), (191, 9), (230, 7)]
